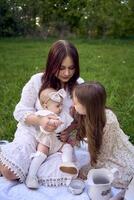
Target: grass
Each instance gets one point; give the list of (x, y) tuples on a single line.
[(109, 61)]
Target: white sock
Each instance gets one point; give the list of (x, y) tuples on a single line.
[(36, 162), (67, 153)]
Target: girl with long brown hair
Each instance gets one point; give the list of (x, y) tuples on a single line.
[(107, 144)]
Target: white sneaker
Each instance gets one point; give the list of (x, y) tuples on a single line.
[(32, 182), (129, 195), (68, 167)]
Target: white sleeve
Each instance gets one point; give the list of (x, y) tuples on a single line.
[(27, 102), (80, 80)]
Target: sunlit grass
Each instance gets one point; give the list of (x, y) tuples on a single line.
[(111, 62)]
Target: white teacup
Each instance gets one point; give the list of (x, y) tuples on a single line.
[(99, 181)]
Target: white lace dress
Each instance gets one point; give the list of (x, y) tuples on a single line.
[(116, 151), (16, 155)]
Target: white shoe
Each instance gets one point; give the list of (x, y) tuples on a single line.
[(129, 195), (68, 167), (32, 182)]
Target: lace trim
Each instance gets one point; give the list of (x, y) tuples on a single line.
[(51, 182), (12, 167)]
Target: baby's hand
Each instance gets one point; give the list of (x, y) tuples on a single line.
[(49, 123), (55, 122)]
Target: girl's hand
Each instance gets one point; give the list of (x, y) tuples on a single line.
[(49, 123), (64, 136)]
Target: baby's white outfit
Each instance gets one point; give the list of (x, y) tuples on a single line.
[(50, 139)]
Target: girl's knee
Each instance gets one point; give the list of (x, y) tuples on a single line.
[(7, 173)]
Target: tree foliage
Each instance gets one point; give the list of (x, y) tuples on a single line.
[(93, 18)]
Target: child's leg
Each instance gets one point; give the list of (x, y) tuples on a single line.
[(67, 157), (7, 173), (67, 153), (38, 158)]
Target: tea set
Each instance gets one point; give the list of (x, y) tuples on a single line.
[(99, 181), (99, 184)]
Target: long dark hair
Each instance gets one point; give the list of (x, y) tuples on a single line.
[(92, 96), (57, 54)]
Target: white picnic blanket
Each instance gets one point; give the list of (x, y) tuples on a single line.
[(13, 190), (16, 191)]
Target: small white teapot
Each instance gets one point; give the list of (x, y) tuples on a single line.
[(99, 181)]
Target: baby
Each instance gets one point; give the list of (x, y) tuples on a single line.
[(52, 103)]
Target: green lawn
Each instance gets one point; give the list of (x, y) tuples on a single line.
[(111, 62)]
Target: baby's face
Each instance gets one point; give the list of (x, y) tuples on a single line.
[(55, 107)]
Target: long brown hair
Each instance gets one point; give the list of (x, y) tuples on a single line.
[(92, 96), (57, 54)]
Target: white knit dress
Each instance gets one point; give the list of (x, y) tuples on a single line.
[(16, 155)]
